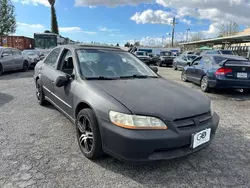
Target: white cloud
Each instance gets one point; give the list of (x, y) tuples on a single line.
[(110, 3), (115, 35), (153, 17), (26, 29), (70, 29), (216, 12), (102, 28), (75, 30), (34, 2), (90, 32), (30, 26)]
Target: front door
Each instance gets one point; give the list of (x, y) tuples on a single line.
[(17, 59), (7, 60), (192, 70), (48, 69), (63, 96)]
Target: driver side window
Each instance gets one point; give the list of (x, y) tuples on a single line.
[(196, 62), (66, 64)]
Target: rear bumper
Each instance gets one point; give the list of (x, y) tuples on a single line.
[(235, 84), (150, 145)]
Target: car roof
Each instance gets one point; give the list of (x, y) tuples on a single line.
[(227, 56), (91, 46)]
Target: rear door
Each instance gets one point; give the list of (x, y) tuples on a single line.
[(191, 71), (7, 60), (48, 69), (18, 59)]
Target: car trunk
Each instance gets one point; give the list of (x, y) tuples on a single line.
[(240, 70)]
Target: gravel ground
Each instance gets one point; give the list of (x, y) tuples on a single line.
[(38, 147)]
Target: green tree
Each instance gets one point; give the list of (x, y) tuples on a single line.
[(117, 44), (7, 17), (127, 44), (54, 24)]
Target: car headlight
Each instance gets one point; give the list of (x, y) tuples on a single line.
[(211, 108), (136, 122)]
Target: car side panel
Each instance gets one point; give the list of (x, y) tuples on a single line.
[(45, 73)]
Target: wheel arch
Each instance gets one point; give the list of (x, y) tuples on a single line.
[(82, 105)]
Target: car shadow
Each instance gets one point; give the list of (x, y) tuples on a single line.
[(224, 163), (16, 75)]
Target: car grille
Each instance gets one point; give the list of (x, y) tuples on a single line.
[(189, 122)]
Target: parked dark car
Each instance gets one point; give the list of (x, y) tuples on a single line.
[(153, 59), (121, 107), (12, 59), (33, 57), (225, 52), (182, 60), (218, 71), (166, 58)]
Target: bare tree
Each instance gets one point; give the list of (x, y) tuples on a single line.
[(228, 29), (197, 36)]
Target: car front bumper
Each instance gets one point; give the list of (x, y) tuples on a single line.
[(167, 61), (230, 83), (150, 145)]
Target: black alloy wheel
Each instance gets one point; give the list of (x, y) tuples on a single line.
[(25, 66), (1, 70), (39, 93), (88, 134)]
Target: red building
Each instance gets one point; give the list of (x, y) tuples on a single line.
[(19, 42)]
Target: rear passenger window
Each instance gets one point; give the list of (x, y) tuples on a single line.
[(51, 59)]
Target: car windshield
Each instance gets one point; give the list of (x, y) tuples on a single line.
[(140, 53), (166, 53), (96, 63), (191, 57), (30, 53), (228, 52)]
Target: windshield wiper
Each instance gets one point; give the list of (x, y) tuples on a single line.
[(101, 78), (137, 76)]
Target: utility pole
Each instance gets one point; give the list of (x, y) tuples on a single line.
[(187, 34), (173, 27)]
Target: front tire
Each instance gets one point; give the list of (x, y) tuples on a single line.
[(204, 84), (1, 70), (25, 66), (88, 134), (39, 93), (184, 76), (175, 67)]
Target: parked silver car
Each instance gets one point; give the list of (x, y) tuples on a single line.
[(12, 59), (33, 56)]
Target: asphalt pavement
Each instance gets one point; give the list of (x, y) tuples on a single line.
[(38, 146)]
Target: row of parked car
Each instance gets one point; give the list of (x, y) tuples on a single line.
[(13, 59), (214, 69)]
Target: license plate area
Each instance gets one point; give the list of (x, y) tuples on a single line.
[(201, 137), (241, 75)]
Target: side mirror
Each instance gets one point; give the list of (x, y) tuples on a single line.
[(188, 63), (5, 54), (155, 69), (61, 81)]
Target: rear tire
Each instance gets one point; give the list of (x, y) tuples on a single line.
[(88, 134), (25, 66), (160, 64), (39, 93), (1, 70), (175, 67), (204, 84)]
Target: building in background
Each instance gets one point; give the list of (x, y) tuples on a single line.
[(45, 40), (19, 42)]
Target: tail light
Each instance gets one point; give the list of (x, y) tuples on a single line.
[(223, 71)]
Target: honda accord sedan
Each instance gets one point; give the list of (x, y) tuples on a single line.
[(121, 106), (219, 71)]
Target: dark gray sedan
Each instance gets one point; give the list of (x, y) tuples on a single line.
[(121, 107), (12, 59), (181, 61)]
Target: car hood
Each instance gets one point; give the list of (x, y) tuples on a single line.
[(142, 56), (156, 97)]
